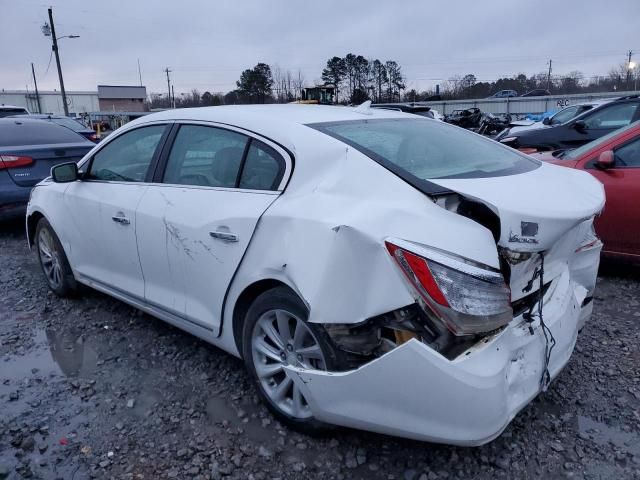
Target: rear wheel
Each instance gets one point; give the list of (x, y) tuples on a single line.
[(276, 334), (53, 260)]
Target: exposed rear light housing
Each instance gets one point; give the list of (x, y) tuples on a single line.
[(15, 161), (467, 297)]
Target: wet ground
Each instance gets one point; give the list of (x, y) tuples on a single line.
[(91, 388)]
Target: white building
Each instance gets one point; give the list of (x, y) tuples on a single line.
[(51, 101)]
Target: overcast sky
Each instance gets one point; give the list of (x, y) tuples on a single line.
[(207, 43)]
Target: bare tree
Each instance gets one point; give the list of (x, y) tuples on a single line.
[(298, 84)]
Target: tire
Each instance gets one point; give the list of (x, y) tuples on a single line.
[(276, 307), (53, 261)]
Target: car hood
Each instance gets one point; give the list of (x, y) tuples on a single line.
[(535, 208)]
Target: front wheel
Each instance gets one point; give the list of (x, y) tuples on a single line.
[(53, 260), (276, 334)]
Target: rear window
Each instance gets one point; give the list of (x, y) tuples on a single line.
[(35, 132), (5, 112), (69, 123), (427, 149)]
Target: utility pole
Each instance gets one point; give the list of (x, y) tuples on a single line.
[(139, 72), (549, 75), (55, 50), (167, 71), (173, 96), (33, 71), (629, 70)]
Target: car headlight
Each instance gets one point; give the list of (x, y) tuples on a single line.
[(508, 139)]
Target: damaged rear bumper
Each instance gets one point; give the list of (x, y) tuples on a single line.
[(414, 392)]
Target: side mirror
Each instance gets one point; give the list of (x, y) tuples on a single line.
[(546, 121), (65, 172), (606, 160), (580, 126)]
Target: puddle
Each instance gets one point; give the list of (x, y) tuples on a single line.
[(218, 410), (603, 434), (55, 354)]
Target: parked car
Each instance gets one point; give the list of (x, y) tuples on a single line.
[(536, 92), (588, 126), (70, 123), (465, 118), (346, 254), (558, 118), (615, 161), (28, 150), (504, 94), (414, 108), (7, 110)]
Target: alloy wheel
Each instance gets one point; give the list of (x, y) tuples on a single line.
[(50, 258), (281, 338)]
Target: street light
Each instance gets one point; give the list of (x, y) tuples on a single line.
[(49, 30)]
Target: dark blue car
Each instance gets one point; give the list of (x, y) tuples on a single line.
[(28, 150), (70, 123)]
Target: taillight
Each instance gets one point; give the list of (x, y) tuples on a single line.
[(14, 161), (468, 297), (93, 137)]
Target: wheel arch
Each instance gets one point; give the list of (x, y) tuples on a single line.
[(32, 222), (244, 301)]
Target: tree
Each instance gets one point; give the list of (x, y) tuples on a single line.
[(379, 77), (395, 81), (231, 98), (334, 73), (207, 99), (298, 84), (255, 85), (359, 96)]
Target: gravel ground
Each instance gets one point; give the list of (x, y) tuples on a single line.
[(91, 388)]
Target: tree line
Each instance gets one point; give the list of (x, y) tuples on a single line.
[(354, 77), (619, 78), (357, 79)]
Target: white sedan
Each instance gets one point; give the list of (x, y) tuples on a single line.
[(374, 269)]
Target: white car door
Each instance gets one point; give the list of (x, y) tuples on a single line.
[(102, 224), (195, 223)]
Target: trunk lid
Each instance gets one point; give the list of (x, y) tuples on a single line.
[(535, 208), (44, 157)]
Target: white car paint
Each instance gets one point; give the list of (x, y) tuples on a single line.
[(322, 233)]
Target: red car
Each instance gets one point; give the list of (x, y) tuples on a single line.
[(614, 160)]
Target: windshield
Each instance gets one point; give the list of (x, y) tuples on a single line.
[(578, 152), (427, 149), (564, 115)]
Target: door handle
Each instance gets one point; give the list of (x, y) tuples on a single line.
[(121, 220), (226, 236)]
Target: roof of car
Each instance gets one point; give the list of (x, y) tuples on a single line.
[(38, 116), (289, 113), (277, 122)]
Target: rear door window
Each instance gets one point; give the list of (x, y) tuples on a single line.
[(205, 156), (263, 168)]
